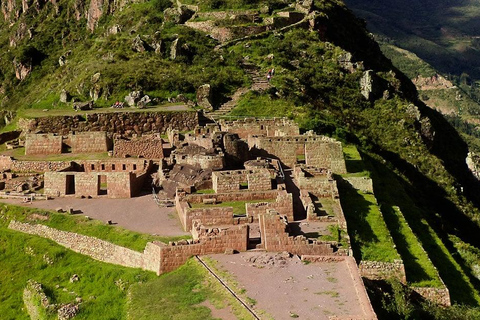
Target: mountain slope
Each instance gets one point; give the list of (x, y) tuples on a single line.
[(330, 76)]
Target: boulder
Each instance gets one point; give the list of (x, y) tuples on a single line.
[(138, 44), (372, 86), (64, 96), (204, 97), (143, 102), (133, 98), (22, 68)]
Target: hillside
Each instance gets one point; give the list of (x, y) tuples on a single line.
[(330, 76)]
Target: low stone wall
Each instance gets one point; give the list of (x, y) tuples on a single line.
[(8, 163), (95, 248), (274, 235), (378, 270), (123, 123), (440, 296), (268, 127), (228, 181), (363, 184), (207, 216), (233, 196)]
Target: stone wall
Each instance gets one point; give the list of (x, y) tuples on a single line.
[(204, 141), (440, 296), (88, 184), (363, 184), (89, 142), (95, 248), (319, 151), (283, 205), (115, 165), (261, 127), (144, 147), (43, 144), (123, 123), (204, 161), (209, 241), (378, 270), (8, 163), (274, 235), (207, 216), (231, 181), (234, 196)]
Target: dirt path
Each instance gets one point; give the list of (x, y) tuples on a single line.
[(287, 288), (139, 214)]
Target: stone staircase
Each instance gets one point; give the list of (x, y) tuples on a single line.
[(259, 83)]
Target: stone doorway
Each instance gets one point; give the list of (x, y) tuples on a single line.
[(102, 185), (70, 184)]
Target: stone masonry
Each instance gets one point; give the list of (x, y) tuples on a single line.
[(43, 144)]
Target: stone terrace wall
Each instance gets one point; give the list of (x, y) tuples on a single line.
[(274, 235), (200, 140), (210, 241), (363, 184), (437, 295), (89, 142), (377, 270), (8, 163), (261, 127), (123, 123), (145, 147), (90, 246), (43, 144)]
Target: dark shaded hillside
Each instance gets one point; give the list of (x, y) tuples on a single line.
[(442, 33)]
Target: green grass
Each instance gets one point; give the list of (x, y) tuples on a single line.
[(369, 234), (391, 192), (205, 191), (25, 257), (238, 206), (178, 295), (81, 225), (353, 160), (254, 104), (418, 267)]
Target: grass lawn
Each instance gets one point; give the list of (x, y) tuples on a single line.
[(19, 154), (102, 287), (178, 295), (370, 237), (418, 267), (238, 206), (79, 224)]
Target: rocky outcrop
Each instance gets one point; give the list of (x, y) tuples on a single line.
[(204, 97), (22, 69), (372, 86)]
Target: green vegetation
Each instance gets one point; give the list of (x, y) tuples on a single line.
[(102, 287), (369, 235), (82, 225), (181, 293)]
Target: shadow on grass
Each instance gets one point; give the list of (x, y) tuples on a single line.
[(390, 190), (356, 209)]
